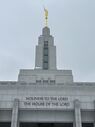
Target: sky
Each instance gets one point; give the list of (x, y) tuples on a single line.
[(72, 23)]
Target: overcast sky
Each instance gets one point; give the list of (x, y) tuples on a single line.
[(72, 23)]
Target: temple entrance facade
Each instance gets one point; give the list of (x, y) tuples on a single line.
[(46, 118)]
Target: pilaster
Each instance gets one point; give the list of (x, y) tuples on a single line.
[(77, 111), (14, 122)]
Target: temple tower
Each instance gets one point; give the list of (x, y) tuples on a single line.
[(45, 51)]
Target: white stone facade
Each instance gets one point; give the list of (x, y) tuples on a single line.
[(47, 95)]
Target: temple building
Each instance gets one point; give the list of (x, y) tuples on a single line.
[(45, 96)]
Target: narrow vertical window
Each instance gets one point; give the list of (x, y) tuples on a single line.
[(45, 55)]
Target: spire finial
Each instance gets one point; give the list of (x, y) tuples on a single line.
[(46, 17)]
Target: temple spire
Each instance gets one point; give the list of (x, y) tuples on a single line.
[(46, 16)]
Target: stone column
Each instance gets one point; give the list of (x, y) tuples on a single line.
[(77, 113), (14, 122)]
